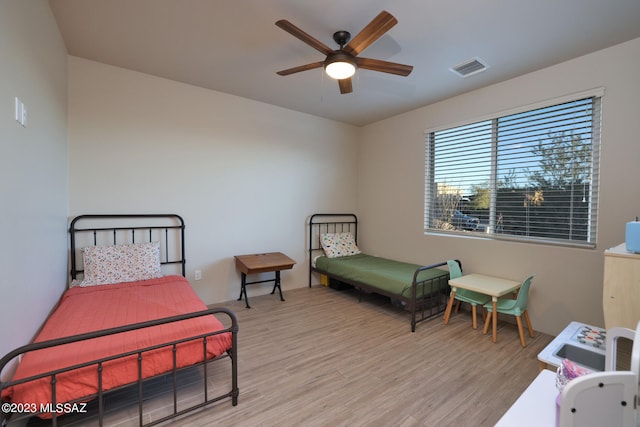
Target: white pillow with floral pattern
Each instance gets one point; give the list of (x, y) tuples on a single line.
[(337, 245), (121, 263)]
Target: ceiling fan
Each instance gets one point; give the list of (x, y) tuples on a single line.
[(341, 64)]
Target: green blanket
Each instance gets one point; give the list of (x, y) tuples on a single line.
[(393, 277)]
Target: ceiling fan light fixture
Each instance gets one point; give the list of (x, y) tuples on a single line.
[(340, 66)]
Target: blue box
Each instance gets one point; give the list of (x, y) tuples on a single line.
[(633, 236)]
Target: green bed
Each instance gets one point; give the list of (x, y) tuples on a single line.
[(422, 290), (389, 276)]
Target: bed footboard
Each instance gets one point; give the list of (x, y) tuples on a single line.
[(428, 297), (53, 408)]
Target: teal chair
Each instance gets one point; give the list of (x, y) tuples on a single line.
[(464, 295), (515, 307)]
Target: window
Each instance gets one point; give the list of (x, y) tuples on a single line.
[(528, 175)]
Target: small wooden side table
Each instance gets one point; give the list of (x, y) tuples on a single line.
[(262, 263)]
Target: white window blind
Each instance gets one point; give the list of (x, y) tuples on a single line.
[(530, 175)]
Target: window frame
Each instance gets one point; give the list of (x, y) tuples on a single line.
[(429, 177)]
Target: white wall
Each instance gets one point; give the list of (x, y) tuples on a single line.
[(568, 285), (33, 169), (243, 174), (246, 175)]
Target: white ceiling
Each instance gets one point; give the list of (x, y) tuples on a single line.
[(233, 46)]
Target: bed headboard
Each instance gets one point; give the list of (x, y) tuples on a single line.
[(116, 229), (322, 223)]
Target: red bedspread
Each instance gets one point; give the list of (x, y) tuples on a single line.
[(100, 307)]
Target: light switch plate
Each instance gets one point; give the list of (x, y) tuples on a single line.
[(18, 110), (21, 112)]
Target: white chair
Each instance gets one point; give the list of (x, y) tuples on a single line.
[(605, 398)]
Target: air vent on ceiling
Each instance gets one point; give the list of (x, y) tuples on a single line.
[(470, 67)]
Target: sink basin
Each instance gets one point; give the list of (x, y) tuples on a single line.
[(583, 356), (581, 343)]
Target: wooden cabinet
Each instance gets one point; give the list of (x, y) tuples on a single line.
[(621, 289)]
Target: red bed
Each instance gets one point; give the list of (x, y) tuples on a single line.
[(86, 309), (103, 336)]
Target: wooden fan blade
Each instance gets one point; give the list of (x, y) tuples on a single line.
[(306, 38), (345, 85), (384, 66), (301, 68), (372, 32)]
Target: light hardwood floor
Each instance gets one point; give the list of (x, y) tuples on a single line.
[(322, 359)]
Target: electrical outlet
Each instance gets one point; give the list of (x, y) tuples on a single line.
[(198, 275)]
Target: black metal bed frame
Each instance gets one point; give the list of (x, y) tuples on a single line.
[(232, 353), (113, 232), (428, 297)]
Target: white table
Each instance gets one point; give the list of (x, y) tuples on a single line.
[(495, 287), (536, 406)]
